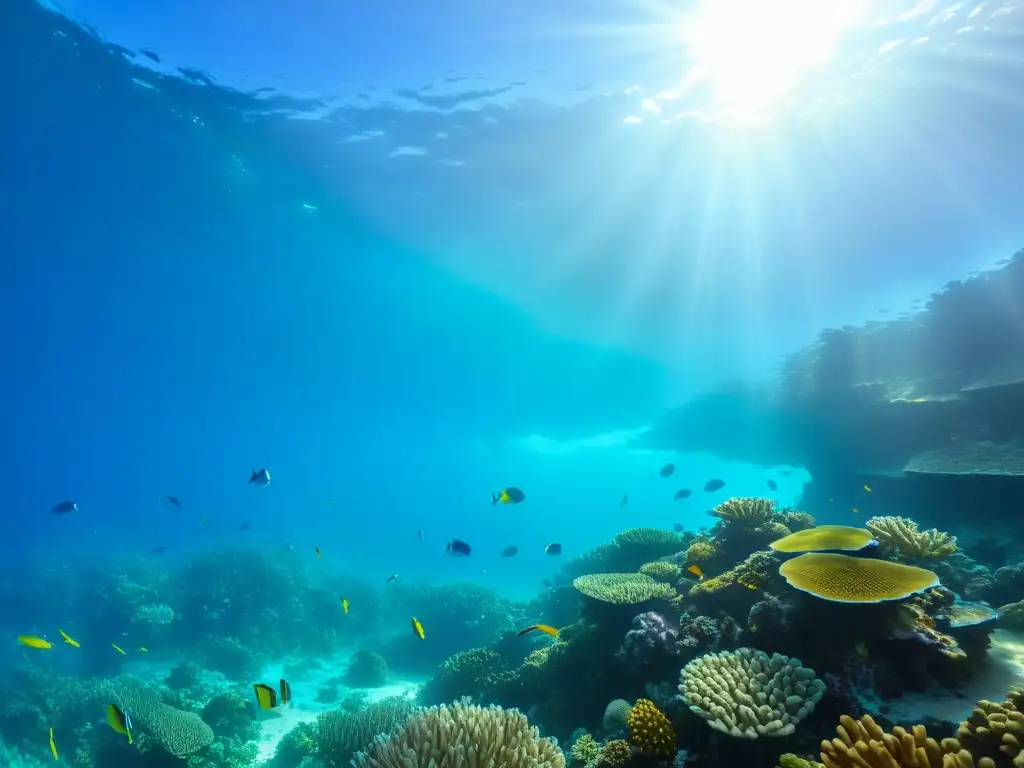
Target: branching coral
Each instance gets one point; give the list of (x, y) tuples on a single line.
[(753, 573), (747, 694), (339, 733), (749, 512), (863, 744), (900, 537), (622, 588), (615, 753), (463, 736), (701, 550), (585, 752), (650, 731), (474, 672), (994, 734), (666, 573)]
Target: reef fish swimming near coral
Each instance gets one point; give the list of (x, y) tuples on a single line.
[(68, 639), (120, 721), (554, 549), (667, 470), (458, 548), (53, 746), (625, 500), (682, 493), (261, 477), (538, 628), (35, 642), (417, 629), (64, 508), (510, 495), (266, 697), (714, 485)]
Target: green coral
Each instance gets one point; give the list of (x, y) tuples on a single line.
[(622, 588), (339, 734), (585, 752), (666, 573), (474, 672), (795, 520), (789, 760), (900, 537), (180, 733), (752, 574), (701, 550)]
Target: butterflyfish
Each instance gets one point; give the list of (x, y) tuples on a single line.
[(118, 649), (344, 604), (538, 628), (266, 697), (53, 746), (508, 495), (68, 640), (35, 642), (696, 571), (120, 721), (418, 629), (458, 548), (286, 691)]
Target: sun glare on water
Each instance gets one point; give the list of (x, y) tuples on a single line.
[(751, 55)]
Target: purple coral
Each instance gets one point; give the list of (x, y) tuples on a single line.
[(649, 641)]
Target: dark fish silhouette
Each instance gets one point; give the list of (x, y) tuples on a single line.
[(667, 470), (553, 549), (510, 551), (419, 534), (714, 485), (458, 548), (64, 508), (682, 493), (173, 500), (772, 485), (149, 54), (678, 528), (157, 550), (261, 477), (625, 500), (508, 495)]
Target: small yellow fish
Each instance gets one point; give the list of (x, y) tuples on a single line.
[(68, 640), (344, 604), (143, 650), (867, 488), (53, 747), (418, 629), (696, 571), (854, 510), (117, 649), (539, 628), (918, 400), (35, 642)]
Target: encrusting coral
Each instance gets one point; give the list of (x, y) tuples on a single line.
[(622, 588), (824, 537), (900, 537), (462, 736), (650, 731), (846, 579), (747, 694)]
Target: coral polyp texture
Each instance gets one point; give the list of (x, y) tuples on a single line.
[(900, 537), (750, 512), (463, 736), (863, 744), (748, 694), (824, 537), (616, 753), (650, 731), (845, 579), (180, 733), (666, 573), (622, 588), (994, 734)]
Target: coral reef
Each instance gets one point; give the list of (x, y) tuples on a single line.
[(622, 588), (824, 537), (901, 538), (862, 743), (846, 579), (749, 512), (339, 734), (179, 733), (585, 752), (748, 694), (650, 731), (666, 573), (616, 716), (650, 641)]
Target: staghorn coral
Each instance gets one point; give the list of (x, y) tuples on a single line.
[(863, 744), (845, 579), (180, 733), (748, 512), (622, 588), (615, 753), (650, 731), (900, 537), (462, 736), (666, 573), (616, 716), (746, 693), (585, 752), (824, 537)]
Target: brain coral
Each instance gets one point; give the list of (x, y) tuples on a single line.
[(750, 512), (650, 731), (622, 588), (180, 733), (616, 716), (462, 736), (746, 693), (824, 537), (899, 536), (845, 579)]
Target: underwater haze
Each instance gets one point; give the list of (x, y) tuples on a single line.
[(377, 369)]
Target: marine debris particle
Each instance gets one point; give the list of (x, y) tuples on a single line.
[(845, 579), (823, 537)]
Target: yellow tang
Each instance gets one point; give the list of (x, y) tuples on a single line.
[(120, 721), (35, 642), (539, 628), (68, 640), (53, 746), (418, 629)]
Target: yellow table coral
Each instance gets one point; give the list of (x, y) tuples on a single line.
[(838, 537), (845, 579)]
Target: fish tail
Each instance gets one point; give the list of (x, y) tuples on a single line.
[(494, 498)]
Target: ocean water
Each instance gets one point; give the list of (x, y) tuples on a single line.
[(406, 257)]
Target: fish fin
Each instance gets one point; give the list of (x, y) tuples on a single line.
[(494, 498)]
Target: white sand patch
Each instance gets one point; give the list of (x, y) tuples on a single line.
[(1005, 668), (304, 707)]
